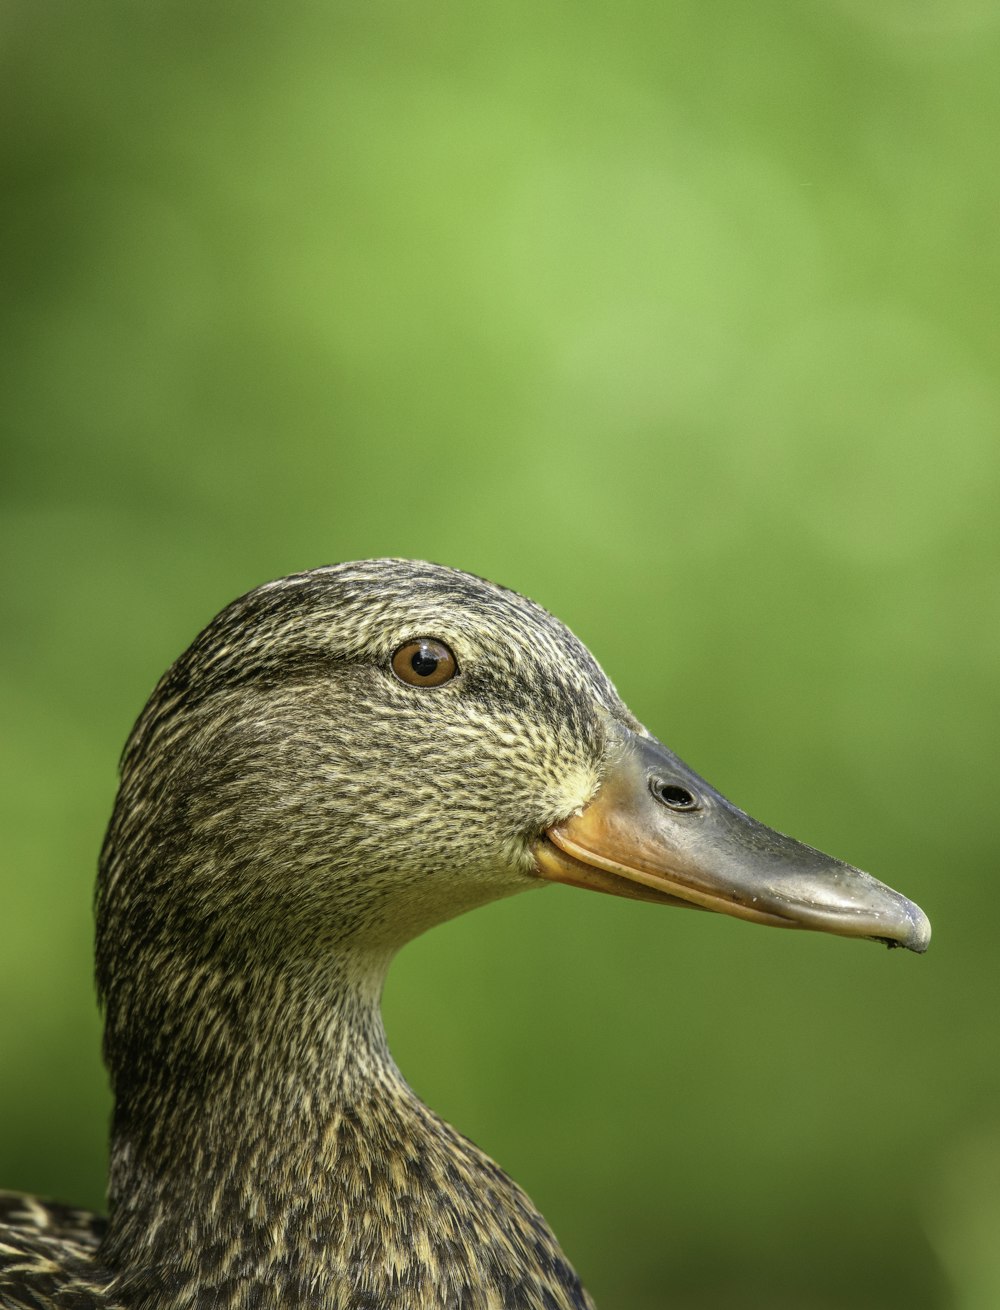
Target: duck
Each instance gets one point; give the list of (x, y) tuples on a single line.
[(341, 760)]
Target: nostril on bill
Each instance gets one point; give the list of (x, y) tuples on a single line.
[(673, 795)]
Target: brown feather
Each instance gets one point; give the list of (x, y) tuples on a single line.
[(289, 815)]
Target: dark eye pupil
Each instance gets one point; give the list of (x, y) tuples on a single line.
[(424, 664)]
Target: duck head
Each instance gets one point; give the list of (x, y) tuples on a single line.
[(347, 756), (340, 760)]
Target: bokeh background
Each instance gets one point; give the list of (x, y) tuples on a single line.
[(680, 318)]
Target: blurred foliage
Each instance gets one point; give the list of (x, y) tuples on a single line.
[(680, 319)]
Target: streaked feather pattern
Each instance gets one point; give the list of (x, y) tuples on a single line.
[(289, 815)]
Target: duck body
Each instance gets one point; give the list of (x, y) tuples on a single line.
[(341, 760)]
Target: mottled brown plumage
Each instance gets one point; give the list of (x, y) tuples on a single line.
[(290, 814)]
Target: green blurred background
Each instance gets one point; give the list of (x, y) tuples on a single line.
[(681, 319)]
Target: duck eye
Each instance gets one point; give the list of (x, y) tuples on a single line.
[(424, 663)]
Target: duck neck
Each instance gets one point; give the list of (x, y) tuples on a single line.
[(230, 1085), (266, 1152)]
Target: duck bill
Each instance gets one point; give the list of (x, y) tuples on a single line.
[(656, 831)]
